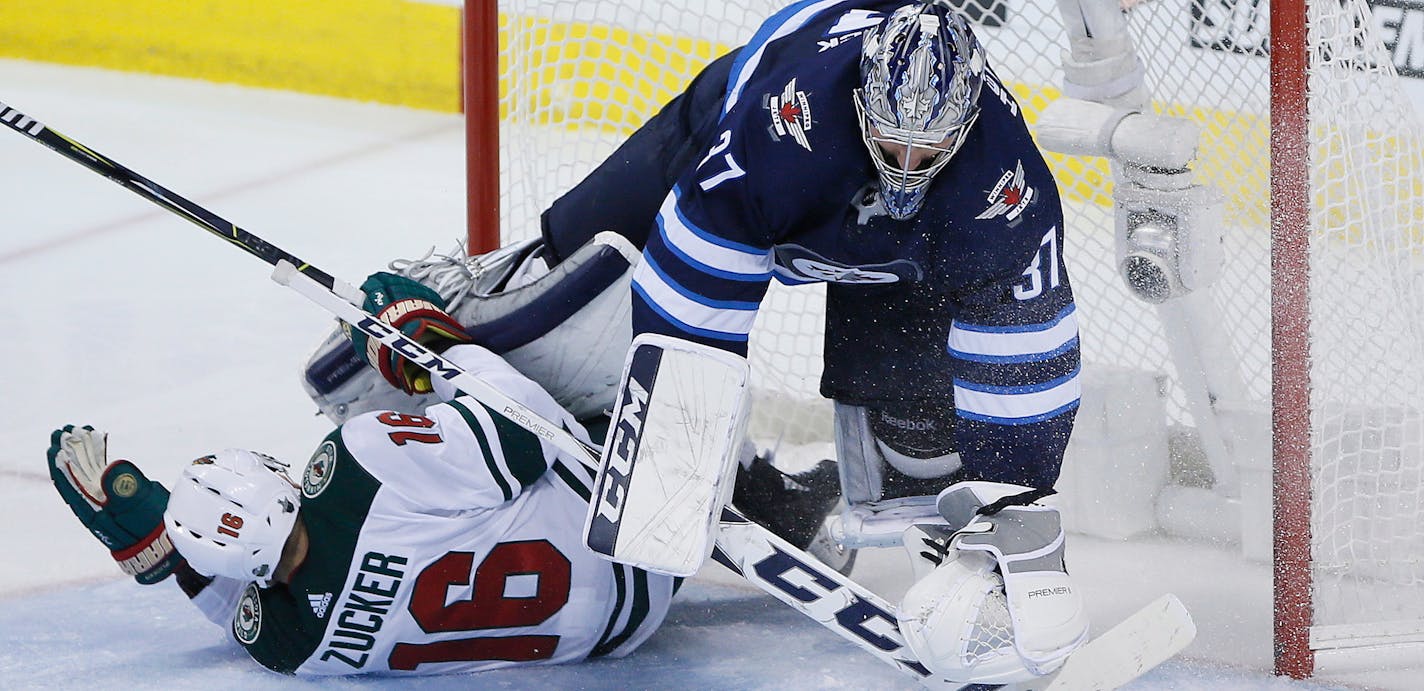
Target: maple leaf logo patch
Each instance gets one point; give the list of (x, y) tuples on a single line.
[(790, 114), (1009, 196)]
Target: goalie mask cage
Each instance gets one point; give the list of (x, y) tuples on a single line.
[(1313, 341)]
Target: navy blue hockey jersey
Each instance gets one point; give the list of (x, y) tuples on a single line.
[(970, 295)]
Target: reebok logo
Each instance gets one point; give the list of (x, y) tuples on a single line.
[(907, 424), (319, 603)]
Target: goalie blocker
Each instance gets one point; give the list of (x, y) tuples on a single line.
[(668, 463)]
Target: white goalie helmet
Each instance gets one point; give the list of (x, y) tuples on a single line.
[(921, 71), (230, 515)]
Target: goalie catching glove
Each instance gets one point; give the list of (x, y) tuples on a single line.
[(114, 501), (992, 603), (416, 311)]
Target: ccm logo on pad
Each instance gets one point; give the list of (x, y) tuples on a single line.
[(622, 449)]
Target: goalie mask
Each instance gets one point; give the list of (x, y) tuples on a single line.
[(230, 514), (920, 74)]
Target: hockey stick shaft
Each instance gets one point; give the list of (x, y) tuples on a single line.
[(322, 289), (337, 297), (167, 199), (328, 293)]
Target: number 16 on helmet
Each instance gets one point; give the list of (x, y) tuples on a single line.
[(230, 515)]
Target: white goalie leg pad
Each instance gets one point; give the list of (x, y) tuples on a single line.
[(862, 457), (955, 616), (868, 519), (1027, 542), (567, 329), (668, 465)]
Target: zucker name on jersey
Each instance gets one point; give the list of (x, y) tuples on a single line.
[(437, 543), (448, 542)]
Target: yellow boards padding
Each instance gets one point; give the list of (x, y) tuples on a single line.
[(388, 51)]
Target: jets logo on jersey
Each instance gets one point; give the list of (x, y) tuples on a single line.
[(319, 470), (247, 622), (319, 603), (1010, 195), (800, 263), (790, 114)]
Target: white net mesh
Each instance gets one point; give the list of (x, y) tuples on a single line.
[(578, 75), (1367, 314), (991, 635)]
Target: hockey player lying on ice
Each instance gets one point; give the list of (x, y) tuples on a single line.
[(348, 569), (344, 566), (865, 144)]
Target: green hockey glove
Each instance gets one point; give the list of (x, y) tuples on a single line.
[(418, 312), (114, 501)]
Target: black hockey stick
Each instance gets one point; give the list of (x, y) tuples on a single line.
[(165, 198), (337, 297)]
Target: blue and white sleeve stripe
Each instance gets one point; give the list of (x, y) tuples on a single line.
[(1015, 344), (1017, 405), (706, 252), (689, 312), (694, 284), (1017, 374)]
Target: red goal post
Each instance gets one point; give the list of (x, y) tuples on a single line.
[(480, 55), (1291, 387), (1290, 345)]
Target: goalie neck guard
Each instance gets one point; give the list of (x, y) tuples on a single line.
[(230, 514), (920, 75)]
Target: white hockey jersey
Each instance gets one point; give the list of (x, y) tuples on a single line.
[(449, 542)]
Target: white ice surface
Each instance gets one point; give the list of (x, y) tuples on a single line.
[(121, 315)]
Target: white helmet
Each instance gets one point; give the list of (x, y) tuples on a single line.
[(230, 515), (920, 75)]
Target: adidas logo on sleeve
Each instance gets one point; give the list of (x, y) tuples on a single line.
[(319, 603)]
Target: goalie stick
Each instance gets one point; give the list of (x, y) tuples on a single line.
[(1143, 641)]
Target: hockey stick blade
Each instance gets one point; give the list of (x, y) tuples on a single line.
[(1137, 645)]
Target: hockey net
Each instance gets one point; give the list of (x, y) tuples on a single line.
[(576, 76)]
